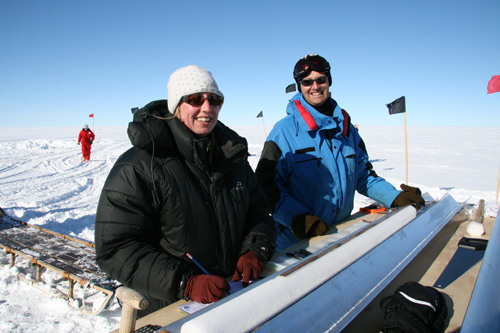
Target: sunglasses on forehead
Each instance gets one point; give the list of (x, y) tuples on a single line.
[(304, 66), (199, 99), (310, 82)]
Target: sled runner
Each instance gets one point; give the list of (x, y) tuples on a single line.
[(72, 258)]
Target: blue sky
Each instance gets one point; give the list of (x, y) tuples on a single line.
[(63, 60)]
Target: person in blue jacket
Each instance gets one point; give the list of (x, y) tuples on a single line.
[(314, 160)]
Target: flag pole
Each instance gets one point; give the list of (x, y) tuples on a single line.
[(93, 129), (261, 115), (263, 124), (498, 186), (399, 106), (493, 87), (406, 151)]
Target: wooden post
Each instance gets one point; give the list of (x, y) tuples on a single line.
[(38, 273), (12, 259), (131, 302), (479, 218), (70, 288)]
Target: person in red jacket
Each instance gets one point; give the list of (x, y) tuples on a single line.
[(86, 137)]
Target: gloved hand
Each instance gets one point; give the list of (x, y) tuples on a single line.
[(90, 141), (409, 196), (306, 225), (78, 143), (249, 267), (206, 288)]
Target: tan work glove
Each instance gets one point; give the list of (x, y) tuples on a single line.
[(306, 225)]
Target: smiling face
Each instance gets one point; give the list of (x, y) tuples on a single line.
[(316, 94), (201, 120)]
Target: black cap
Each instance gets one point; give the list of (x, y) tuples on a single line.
[(309, 63)]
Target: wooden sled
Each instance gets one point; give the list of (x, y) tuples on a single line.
[(72, 258)]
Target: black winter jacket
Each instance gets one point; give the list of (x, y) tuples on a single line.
[(173, 194)]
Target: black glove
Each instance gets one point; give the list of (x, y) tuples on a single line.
[(307, 225), (409, 196), (90, 141)]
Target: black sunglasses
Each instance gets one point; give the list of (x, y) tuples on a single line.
[(310, 82), (308, 64), (199, 99)]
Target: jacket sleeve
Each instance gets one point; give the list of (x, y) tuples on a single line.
[(369, 183), (80, 135), (273, 173), (269, 158), (261, 230), (127, 235)]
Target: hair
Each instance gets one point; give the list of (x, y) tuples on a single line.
[(174, 115)]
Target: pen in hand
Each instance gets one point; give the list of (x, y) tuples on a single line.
[(198, 264), (204, 271)]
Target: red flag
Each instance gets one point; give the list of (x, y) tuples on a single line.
[(494, 84), (91, 116)]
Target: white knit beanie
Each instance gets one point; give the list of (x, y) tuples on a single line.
[(189, 80)]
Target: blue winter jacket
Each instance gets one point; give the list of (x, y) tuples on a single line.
[(314, 163)]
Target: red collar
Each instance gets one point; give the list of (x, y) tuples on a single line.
[(312, 123)]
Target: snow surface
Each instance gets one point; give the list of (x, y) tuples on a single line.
[(44, 182)]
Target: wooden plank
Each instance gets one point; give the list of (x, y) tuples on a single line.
[(353, 235)]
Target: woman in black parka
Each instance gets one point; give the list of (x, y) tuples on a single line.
[(185, 187)]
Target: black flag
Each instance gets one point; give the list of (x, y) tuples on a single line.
[(398, 106), (260, 115), (290, 88)]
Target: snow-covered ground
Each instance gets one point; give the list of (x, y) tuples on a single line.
[(44, 182)]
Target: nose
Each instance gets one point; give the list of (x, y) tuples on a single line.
[(315, 85), (206, 105)]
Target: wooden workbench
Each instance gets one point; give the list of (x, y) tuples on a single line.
[(426, 268)]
